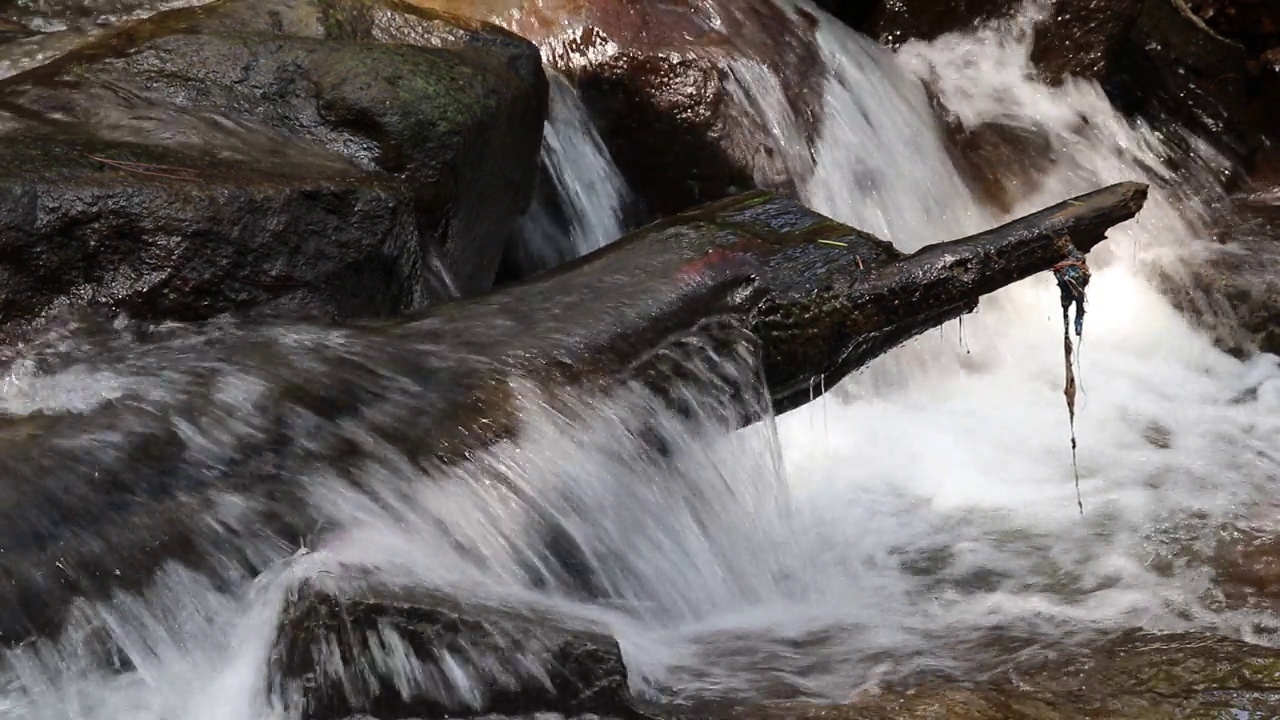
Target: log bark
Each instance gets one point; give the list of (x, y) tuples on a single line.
[(896, 301), (830, 298)]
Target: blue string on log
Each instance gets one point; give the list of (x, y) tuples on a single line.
[(1072, 275)]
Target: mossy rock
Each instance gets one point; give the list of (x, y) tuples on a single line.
[(327, 157)]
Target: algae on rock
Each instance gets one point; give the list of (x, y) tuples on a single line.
[(257, 156)]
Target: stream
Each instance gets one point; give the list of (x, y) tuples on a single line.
[(920, 518)]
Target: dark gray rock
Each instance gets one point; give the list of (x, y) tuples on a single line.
[(340, 159), (1173, 69), (396, 654)]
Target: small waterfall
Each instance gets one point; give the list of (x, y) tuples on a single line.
[(882, 165), (588, 207)]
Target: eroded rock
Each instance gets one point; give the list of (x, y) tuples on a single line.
[(334, 159), (417, 653)]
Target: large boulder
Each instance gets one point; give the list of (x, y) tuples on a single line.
[(411, 653), (695, 99), (342, 159)]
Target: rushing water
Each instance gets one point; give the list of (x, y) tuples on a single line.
[(587, 209), (916, 518)]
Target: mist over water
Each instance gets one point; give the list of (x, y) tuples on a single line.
[(921, 517)]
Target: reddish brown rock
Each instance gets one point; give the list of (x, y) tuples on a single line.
[(1001, 163), (1247, 569), (658, 77)]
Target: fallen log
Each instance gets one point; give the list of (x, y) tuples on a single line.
[(850, 298), (204, 442)]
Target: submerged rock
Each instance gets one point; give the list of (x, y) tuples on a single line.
[(1001, 163), (1233, 290), (396, 654), (695, 99), (338, 159), (1133, 676)]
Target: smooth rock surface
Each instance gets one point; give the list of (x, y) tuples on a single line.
[(327, 159)]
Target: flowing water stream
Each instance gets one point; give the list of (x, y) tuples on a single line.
[(919, 518)]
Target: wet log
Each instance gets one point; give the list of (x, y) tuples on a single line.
[(202, 444), (393, 653), (836, 298)]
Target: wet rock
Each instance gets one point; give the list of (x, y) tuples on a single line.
[(695, 99), (1269, 93), (1233, 291), (1175, 69), (1246, 564), (1253, 23), (1134, 675), (45, 16), (896, 21), (416, 654), (1001, 163), (338, 159), (1158, 436), (1080, 38), (1075, 37)]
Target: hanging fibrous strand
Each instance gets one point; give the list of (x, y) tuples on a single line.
[(1072, 275)]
